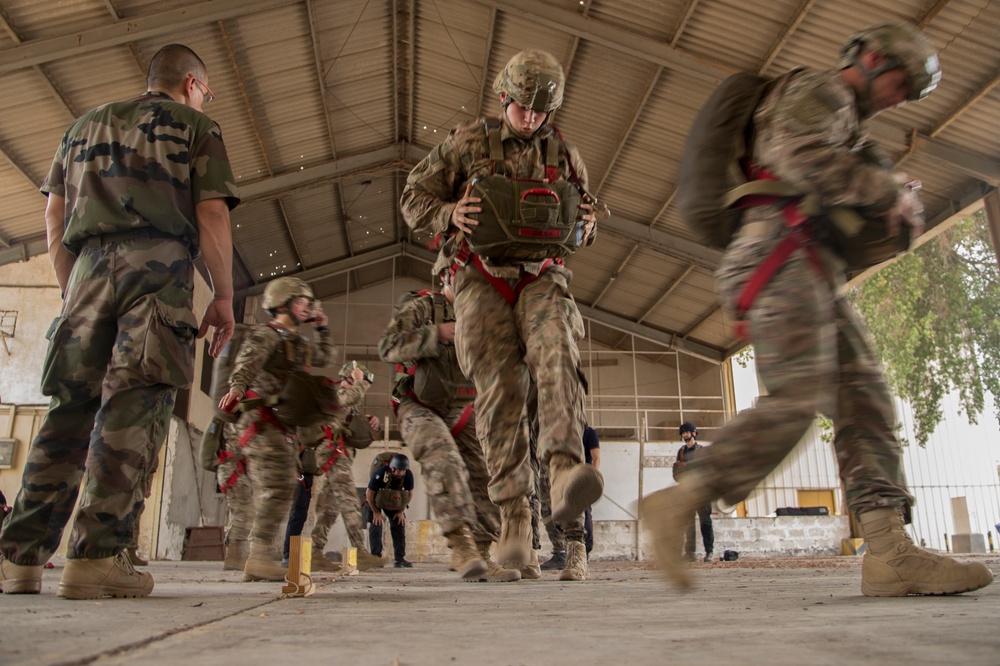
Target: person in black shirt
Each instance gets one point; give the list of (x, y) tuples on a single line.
[(389, 491)]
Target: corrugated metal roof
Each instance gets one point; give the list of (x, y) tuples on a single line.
[(325, 105)]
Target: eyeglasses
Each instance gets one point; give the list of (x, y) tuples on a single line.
[(207, 92)]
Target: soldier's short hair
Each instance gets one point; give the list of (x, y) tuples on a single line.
[(170, 66)]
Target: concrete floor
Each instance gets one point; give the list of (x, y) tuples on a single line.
[(767, 611)]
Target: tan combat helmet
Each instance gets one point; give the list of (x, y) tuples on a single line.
[(534, 79), (349, 367), (903, 46), (279, 292)]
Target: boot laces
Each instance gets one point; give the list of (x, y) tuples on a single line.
[(124, 563)]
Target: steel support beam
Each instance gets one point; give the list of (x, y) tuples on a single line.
[(39, 51), (654, 335)]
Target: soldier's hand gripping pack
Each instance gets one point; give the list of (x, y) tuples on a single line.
[(717, 182), (526, 219)]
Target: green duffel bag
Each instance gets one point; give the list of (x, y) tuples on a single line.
[(527, 220)]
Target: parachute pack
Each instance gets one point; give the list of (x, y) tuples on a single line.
[(526, 219), (438, 381), (713, 186)]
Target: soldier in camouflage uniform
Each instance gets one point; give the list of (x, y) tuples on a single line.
[(231, 477), (439, 425), (811, 350), (517, 322), (337, 495), (137, 188), (271, 353)]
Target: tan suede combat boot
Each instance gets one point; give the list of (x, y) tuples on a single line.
[(19, 579), (236, 556), (576, 562), (368, 561), (574, 487), (263, 564), (665, 515), (320, 562), (133, 555), (494, 572), (470, 565), (894, 566), (514, 546), (106, 577), (531, 570)]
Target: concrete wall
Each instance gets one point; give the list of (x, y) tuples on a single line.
[(30, 290)]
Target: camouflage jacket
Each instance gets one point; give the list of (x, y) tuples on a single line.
[(436, 184), (350, 398), (412, 333), (809, 132), (142, 162), (270, 353)]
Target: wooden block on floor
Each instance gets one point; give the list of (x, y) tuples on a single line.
[(204, 543), (853, 546)]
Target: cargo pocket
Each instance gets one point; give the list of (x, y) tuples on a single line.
[(168, 345), (51, 376)]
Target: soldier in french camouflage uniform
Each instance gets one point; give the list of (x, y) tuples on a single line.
[(137, 188), (439, 425), (268, 356), (517, 322), (811, 350), (337, 495)]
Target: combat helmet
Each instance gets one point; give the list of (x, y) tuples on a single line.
[(687, 426), (348, 369), (903, 46), (399, 461), (534, 79), (279, 292)]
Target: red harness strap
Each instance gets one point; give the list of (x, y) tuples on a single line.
[(799, 238), (241, 468), (463, 420), (339, 450)]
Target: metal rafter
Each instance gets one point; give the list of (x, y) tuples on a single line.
[(693, 327), (411, 68), (615, 274), (688, 11), (252, 116), (636, 114), (133, 49), (490, 36), (780, 42), (40, 51), (676, 282), (965, 106)]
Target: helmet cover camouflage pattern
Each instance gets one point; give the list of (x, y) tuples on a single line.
[(278, 292), (904, 46), (534, 79), (349, 367)]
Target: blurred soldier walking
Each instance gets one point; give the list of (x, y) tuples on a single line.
[(334, 457), (516, 320), (136, 190), (268, 357), (811, 350), (433, 401)]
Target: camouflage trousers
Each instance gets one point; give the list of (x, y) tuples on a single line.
[(232, 479), (813, 357), (508, 351), (119, 350), (272, 466), (338, 497), (144, 487), (555, 533), (452, 468)]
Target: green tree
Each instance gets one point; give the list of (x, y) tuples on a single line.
[(934, 316)]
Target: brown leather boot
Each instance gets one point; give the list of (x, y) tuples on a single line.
[(133, 554), (236, 556), (368, 561), (574, 487), (470, 565), (576, 562), (494, 572), (514, 547), (105, 577), (894, 566), (263, 564), (19, 579), (665, 515), (320, 562)]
